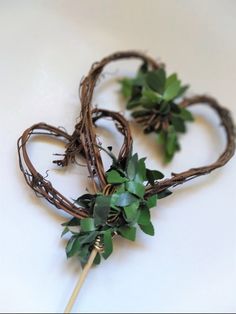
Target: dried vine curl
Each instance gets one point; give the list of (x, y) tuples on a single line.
[(84, 141)]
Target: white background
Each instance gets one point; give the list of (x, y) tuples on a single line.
[(45, 49)]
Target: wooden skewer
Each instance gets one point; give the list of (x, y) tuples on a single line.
[(81, 280), (98, 248)]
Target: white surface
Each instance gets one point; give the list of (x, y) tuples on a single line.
[(45, 49)]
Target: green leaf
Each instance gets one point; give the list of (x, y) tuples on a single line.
[(72, 223), (126, 87), (171, 142), (168, 139), (153, 175), (133, 103), (164, 193), (79, 245), (141, 171), (165, 108), (149, 105), (114, 199), (156, 80), (144, 217), (85, 201), (70, 244), (186, 114), (150, 97), (131, 211), (128, 233), (125, 199), (172, 90), (171, 79), (148, 229), (178, 123), (135, 188), (132, 166), (174, 108), (140, 113), (182, 90), (161, 137), (88, 238), (143, 69), (152, 201), (84, 254), (108, 245), (136, 90), (120, 188), (73, 246), (138, 82), (65, 231), (97, 259), (114, 176), (87, 225), (101, 209)]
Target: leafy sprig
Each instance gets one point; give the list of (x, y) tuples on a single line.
[(120, 212), (154, 98)]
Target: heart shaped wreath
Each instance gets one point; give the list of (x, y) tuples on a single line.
[(123, 195)]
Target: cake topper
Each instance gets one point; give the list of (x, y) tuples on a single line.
[(122, 196)]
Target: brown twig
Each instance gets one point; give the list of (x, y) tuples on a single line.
[(84, 141)]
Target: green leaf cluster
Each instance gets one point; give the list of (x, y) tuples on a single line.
[(119, 213), (152, 92)]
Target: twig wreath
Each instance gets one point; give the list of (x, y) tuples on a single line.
[(123, 195)]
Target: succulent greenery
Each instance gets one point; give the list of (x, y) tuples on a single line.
[(120, 212), (154, 98)]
